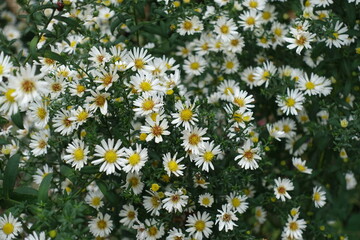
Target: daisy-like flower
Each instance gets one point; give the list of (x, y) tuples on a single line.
[(175, 234), (282, 187), (242, 99), (8, 104), (206, 200), (5, 66), (98, 100), (206, 155), (128, 215), (57, 86), (152, 203), (76, 88), (260, 214), (99, 56), (101, 226), (186, 115), (292, 102), (145, 82), (190, 26), (154, 230), (300, 165), (237, 202), (172, 166), (42, 173), (350, 180), (319, 197), (80, 115), (134, 181), (109, 155), (248, 156), (62, 122), (315, 85), (248, 76), (77, 154), (294, 227), (231, 65), (227, 88), (254, 4), (300, 41), (275, 131), (338, 38), (39, 143), (39, 113), (224, 28), (288, 126), (138, 60), (147, 103), (35, 236), (235, 43), (199, 225), (155, 129), (194, 65), (134, 160), (226, 218), (27, 85), (193, 139), (94, 199), (10, 227), (175, 200), (263, 74), (250, 20), (105, 78)]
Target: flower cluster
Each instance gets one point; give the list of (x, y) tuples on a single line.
[(178, 119)]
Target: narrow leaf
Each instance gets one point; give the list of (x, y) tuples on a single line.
[(55, 56), (18, 120), (44, 188), (10, 174)]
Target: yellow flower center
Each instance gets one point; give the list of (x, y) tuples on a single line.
[(42, 144), (300, 167), (235, 202), (78, 154), (224, 29), (336, 35), (229, 90), (309, 85), (253, 4), (194, 66), (110, 156), (134, 159), (281, 190), (145, 86), (258, 213), (293, 226), (28, 86), (155, 201), (199, 225), (134, 181), (234, 42), (139, 63), (8, 94), (131, 215), (8, 228), (286, 128), (187, 25), (266, 75), (278, 32), (1, 69), (95, 201), (208, 156), (230, 65), (239, 101), (83, 115), (205, 201), (100, 101), (101, 224), (148, 105), (249, 155), (316, 196), (107, 80), (80, 88), (251, 77), (194, 139), (266, 15), (290, 102), (41, 113), (173, 166), (205, 46), (250, 21), (186, 114), (153, 231)]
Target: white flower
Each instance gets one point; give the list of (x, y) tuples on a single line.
[(206, 200), (39, 143), (300, 41), (175, 234), (137, 60), (154, 230), (175, 200), (42, 173), (35, 236), (147, 103), (77, 154), (128, 215), (206, 155), (101, 226), (294, 227), (194, 65), (98, 100), (225, 28), (39, 113), (172, 166), (190, 26), (226, 218), (186, 115), (319, 197), (10, 227), (260, 214), (5, 66), (99, 56), (282, 187), (8, 104), (109, 155), (134, 160), (250, 20), (152, 203), (134, 181), (155, 129), (237, 202), (193, 139), (94, 199), (105, 78), (350, 180), (62, 122), (199, 225), (292, 102), (300, 165), (248, 156)]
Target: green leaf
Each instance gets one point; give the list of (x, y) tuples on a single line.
[(26, 191), (55, 56), (90, 169), (44, 188), (300, 142), (69, 21), (17, 119), (3, 141), (33, 47), (114, 24), (110, 196), (10, 174)]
